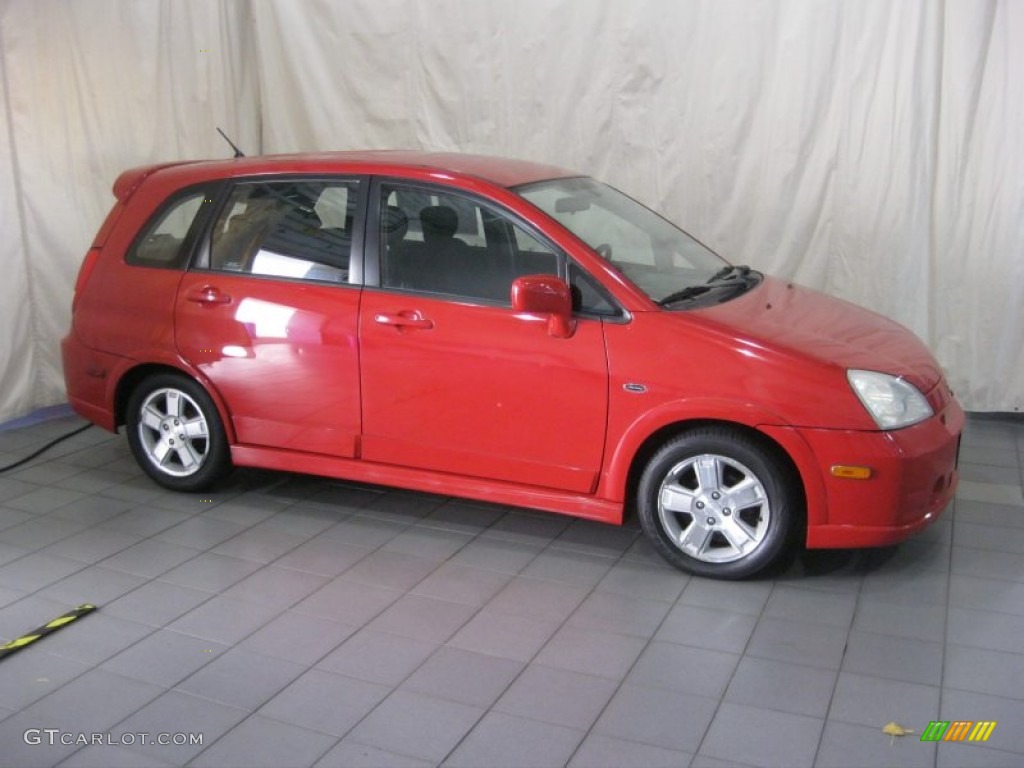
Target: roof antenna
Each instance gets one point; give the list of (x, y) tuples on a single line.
[(238, 152)]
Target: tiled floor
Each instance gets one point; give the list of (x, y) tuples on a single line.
[(298, 621)]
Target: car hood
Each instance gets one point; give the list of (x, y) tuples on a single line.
[(807, 323)]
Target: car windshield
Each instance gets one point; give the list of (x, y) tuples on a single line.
[(658, 257)]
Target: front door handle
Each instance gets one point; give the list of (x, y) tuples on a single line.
[(413, 319), (208, 294)]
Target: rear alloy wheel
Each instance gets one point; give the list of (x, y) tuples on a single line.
[(176, 434), (715, 502)]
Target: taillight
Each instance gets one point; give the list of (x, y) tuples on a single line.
[(88, 264)]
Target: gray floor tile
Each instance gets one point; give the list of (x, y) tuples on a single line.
[(424, 618), (986, 594), (144, 521), (865, 700), (43, 500), (12, 517), (416, 725), (991, 493), (37, 570), (277, 587), (156, 603), (634, 579), (670, 719), (707, 628), (96, 637), (845, 743), (591, 652), (599, 751), (33, 673), (242, 679), (462, 584), (378, 657), (26, 745), (150, 558), (557, 696), (737, 596), (298, 637), (610, 612), (211, 572), (528, 528), (798, 642), (302, 520), (201, 532), (895, 658), (993, 515), (508, 740), (568, 566), (350, 754), (348, 601), (762, 736), (455, 515), (427, 543), (781, 685), (112, 756), (597, 538), (179, 713), (261, 742), (25, 614), (10, 553), (962, 755), (392, 570), (40, 531), (498, 554), (325, 702), (94, 584), (164, 658), (366, 532), (463, 676), (1008, 713), (1000, 539), (986, 629), (260, 543), (801, 604), (225, 619), (499, 634), (324, 556), (93, 702), (91, 510), (684, 668), (984, 671), (538, 599), (922, 621)]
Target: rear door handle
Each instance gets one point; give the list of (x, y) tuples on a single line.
[(413, 319), (208, 294)]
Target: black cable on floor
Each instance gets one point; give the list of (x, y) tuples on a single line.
[(45, 448)]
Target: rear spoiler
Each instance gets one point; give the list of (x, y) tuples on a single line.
[(130, 180)]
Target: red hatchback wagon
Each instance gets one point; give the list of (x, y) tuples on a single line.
[(505, 331)]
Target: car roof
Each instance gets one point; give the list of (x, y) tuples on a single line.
[(504, 172)]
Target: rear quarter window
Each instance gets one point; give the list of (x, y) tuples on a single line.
[(162, 241)]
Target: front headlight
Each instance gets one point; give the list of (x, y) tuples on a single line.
[(891, 401)]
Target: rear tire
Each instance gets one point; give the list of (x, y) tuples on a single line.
[(176, 433), (718, 502)]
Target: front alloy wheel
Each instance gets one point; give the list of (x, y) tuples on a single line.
[(176, 434), (717, 502)]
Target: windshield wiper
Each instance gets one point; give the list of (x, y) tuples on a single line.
[(686, 293), (730, 272)]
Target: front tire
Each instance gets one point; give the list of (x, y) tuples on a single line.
[(176, 434), (718, 502)]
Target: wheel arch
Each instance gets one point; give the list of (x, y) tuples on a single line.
[(135, 375)]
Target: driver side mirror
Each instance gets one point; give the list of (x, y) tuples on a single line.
[(545, 295)]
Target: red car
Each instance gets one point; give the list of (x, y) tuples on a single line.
[(505, 331)]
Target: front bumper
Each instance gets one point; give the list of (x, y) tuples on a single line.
[(914, 477)]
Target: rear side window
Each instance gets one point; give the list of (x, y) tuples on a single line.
[(162, 241), (293, 229)]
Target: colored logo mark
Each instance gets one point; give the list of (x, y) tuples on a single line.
[(958, 730)]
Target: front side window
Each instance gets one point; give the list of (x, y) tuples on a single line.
[(293, 229), (162, 241), (437, 242)]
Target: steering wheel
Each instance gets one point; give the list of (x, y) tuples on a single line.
[(604, 251)]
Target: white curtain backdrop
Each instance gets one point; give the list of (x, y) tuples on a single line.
[(870, 149)]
